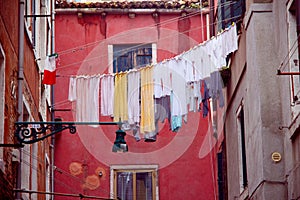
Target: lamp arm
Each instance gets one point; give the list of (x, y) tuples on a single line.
[(31, 133)]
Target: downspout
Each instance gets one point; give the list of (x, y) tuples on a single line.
[(202, 24), (52, 98), (20, 86), (212, 17), (298, 25)]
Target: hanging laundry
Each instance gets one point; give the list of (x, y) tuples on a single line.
[(136, 132), (217, 51), (193, 96), (120, 97), (190, 96), (50, 70), (187, 79), (161, 80), (178, 85), (133, 79), (150, 136), (215, 87), (162, 112), (190, 73), (197, 94), (162, 108), (72, 89), (147, 101), (230, 40), (176, 120), (107, 95), (166, 79), (87, 101), (200, 60), (158, 72), (205, 99)]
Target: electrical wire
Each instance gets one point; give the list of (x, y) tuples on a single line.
[(63, 184), (81, 196), (61, 171), (101, 56), (61, 103), (175, 19), (289, 55), (31, 166), (140, 30), (87, 45), (4, 184)]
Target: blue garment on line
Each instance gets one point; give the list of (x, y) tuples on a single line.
[(176, 121)]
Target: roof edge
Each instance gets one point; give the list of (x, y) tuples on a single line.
[(126, 11)]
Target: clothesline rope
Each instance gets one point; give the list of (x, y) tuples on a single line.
[(71, 50), (105, 55), (177, 73), (165, 60)]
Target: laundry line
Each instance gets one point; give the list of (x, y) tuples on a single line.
[(170, 77)]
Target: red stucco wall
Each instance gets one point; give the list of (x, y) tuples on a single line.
[(186, 159)]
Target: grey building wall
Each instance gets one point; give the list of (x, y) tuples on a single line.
[(266, 99)]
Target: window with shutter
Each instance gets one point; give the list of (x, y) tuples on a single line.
[(131, 56)]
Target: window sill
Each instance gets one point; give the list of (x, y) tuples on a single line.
[(294, 128)]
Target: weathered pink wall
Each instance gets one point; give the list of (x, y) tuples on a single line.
[(184, 172)]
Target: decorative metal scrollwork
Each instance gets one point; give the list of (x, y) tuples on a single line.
[(31, 132)]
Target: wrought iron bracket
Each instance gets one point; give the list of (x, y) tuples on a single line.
[(31, 132)]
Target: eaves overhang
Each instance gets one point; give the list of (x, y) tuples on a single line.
[(126, 11)]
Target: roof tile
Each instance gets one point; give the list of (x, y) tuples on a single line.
[(181, 4)]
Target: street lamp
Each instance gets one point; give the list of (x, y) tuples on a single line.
[(32, 132), (120, 144)]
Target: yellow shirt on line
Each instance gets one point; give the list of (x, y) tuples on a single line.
[(120, 97), (147, 101)]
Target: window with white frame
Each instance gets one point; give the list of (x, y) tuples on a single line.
[(138, 182), (2, 94), (30, 22), (131, 56), (293, 61), (242, 149)]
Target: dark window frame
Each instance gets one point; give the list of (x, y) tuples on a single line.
[(131, 56)]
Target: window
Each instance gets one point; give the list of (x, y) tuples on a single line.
[(293, 58), (2, 94), (242, 149), (229, 11), (131, 56), (30, 21), (222, 176), (135, 182)]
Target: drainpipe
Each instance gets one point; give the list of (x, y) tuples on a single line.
[(211, 17), (298, 24), (52, 98), (20, 85)]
